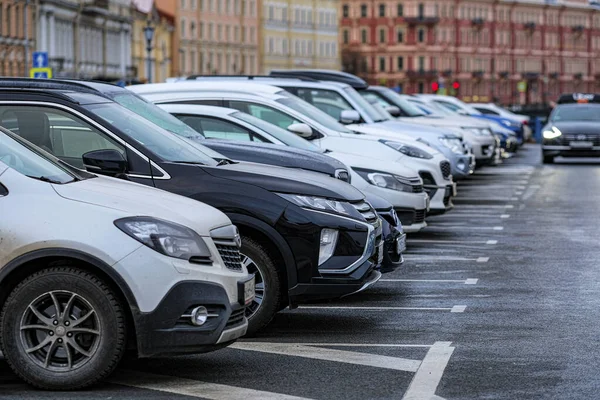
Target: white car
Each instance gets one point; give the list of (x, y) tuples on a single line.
[(285, 110), (400, 185), (90, 265)]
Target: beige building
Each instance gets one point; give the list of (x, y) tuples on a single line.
[(14, 39), (299, 34)]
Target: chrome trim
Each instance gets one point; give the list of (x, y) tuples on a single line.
[(165, 176), (233, 333), (369, 283), (365, 256), (226, 235)]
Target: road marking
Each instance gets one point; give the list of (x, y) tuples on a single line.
[(484, 199), (193, 388), (518, 193), (451, 241), (415, 257), (379, 308), (491, 242), (464, 281), (349, 345), (498, 228), (505, 216), (324, 354), (463, 215), (484, 206), (483, 259), (434, 226), (458, 309), (425, 382), (514, 199)]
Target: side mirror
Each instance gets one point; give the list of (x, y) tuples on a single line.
[(394, 111), (108, 162), (349, 117), (302, 130)]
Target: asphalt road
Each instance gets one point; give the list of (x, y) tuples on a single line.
[(498, 299)]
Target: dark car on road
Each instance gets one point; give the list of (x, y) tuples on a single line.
[(573, 128), (306, 236)]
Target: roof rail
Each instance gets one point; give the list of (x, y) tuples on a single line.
[(323, 75), (44, 91), (57, 84), (249, 77)]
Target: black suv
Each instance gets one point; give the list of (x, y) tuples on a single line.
[(306, 236)]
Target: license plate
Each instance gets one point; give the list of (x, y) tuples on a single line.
[(582, 145), (401, 244), (248, 291)]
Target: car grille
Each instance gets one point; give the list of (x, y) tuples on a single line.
[(447, 196), (420, 216), (236, 318), (409, 217), (566, 139), (446, 169), (231, 256), (366, 211)]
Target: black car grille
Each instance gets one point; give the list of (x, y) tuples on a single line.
[(420, 216), (447, 196), (231, 256), (566, 139), (446, 169), (236, 318), (366, 211), (409, 217), (427, 179)]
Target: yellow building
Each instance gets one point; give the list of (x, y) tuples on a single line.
[(299, 34), (162, 20)]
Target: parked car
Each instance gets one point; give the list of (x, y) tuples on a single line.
[(287, 111), (91, 266), (304, 235)]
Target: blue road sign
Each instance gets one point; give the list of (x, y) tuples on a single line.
[(40, 75), (40, 59)]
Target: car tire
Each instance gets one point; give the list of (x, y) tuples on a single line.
[(85, 340), (268, 285), (547, 159)]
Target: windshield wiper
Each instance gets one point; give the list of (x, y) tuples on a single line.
[(225, 161), (189, 162), (46, 179)]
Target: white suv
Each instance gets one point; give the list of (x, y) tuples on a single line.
[(91, 266)]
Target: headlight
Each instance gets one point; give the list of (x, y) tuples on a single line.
[(322, 204), (385, 180), (165, 237), (407, 150), (552, 133), (453, 144)]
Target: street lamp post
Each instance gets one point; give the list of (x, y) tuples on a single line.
[(149, 34)]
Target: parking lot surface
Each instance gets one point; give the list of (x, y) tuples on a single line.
[(498, 299)]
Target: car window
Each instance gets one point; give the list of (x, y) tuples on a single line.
[(328, 101), (486, 111), (265, 113), (375, 99), (576, 112), (214, 128), (448, 105), (61, 134)]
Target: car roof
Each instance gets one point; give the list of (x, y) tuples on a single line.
[(191, 86), (324, 75), (198, 109), (283, 82)]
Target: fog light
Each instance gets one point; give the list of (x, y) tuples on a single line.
[(328, 241), (199, 316)]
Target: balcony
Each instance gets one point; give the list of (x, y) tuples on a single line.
[(421, 19), (578, 76), (577, 29), (530, 26), (478, 74), (554, 75), (422, 74), (477, 23), (504, 74), (530, 76), (447, 73)]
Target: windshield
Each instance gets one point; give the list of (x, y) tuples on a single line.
[(155, 114), (313, 113), (365, 106), (456, 108), (434, 109), (576, 112), (288, 138), (407, 108), (167, 146), (29, 161)]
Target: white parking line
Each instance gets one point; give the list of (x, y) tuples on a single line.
[(483, 206), (434, 226), (458, 309), (415, 257), (425, 382), (432, 241), (491, 242), (483, 259), (193, 388), (505, 216), (375, 308), (469, 281)]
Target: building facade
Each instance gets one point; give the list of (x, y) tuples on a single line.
[(161, 53), (492, 50), (86, 38), (16, 39), (216, 36), (299, 34)]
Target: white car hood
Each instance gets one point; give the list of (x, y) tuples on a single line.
[(140, 200), (361, 161), (454, 122), (374, 132)]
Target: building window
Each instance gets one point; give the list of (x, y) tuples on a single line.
[(421, 87), (382, 64), (183, 28), (382, 10), (346, 11), (421, 35), (400, 36), (421, 63), (363, 10), (346, 36), (400, 10), (363, 36), (421, 10), (400, 63), (382, 36)]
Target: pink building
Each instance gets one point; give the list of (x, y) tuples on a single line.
[(13, 38)]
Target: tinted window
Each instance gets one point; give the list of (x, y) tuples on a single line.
[(328, 101), (576, 112), (265, 113), (214, 128)]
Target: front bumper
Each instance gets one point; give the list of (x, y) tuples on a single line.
[(463, 166), (568, 151), (167, 329)]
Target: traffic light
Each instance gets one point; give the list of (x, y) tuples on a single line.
[(456, 85), (435, 87)]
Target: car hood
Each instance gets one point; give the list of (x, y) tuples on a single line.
[(577, 127), (140, 200), (286, 180), (275, 154), (416, 130), (455, 122), (378, 131)]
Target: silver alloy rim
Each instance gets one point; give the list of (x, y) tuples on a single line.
[(259, 282), (60, 331)]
